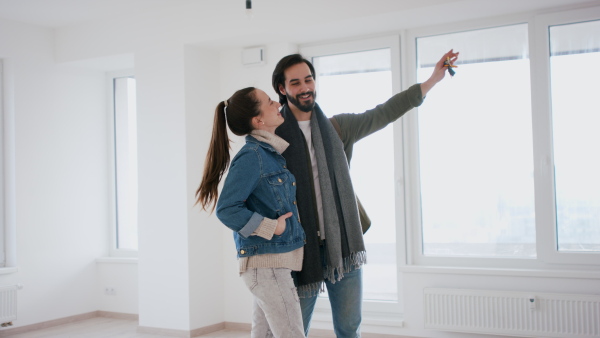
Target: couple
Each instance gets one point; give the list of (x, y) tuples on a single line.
[(289, 199)]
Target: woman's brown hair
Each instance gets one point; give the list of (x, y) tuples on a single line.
[(237, 112)]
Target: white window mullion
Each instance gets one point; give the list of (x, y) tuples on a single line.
[(542, 145), (410, 140)]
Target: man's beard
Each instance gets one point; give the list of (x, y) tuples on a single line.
[(308, 107)]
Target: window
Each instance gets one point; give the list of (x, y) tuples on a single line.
[(125, 166), (8, 238), (574, 59), (364, 73), (502, 157), (2, 174), (475, 147), (339, 76)]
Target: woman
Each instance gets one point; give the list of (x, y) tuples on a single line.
[(258, 203)]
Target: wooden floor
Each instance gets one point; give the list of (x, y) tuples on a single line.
[(103, 327)]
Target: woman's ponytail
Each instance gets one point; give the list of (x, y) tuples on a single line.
[(217, 161), (237, 112)]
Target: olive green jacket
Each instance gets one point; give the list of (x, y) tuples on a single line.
[(353, 127)]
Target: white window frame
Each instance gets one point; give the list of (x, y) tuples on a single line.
[(548, 257), (375, 312), (542, 129), (411, 141), (7, 169), (113, 250)]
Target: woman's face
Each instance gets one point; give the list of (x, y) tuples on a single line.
[(270, 118)]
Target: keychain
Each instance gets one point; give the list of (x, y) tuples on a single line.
[(449, 66)]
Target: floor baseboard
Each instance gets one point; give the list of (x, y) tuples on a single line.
[(238, 326), (50, 323), (247, 327), (125, 316), (118, 315)]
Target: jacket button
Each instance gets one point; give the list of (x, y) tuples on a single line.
[(293, 183), (279, 180), (242, 252), (284, 167), (294, 202)]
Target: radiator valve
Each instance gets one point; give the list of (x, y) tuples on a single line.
[(532, 302)]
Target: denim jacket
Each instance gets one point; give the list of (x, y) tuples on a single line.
[(259, 185)]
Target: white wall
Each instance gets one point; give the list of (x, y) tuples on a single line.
[(122, 278), (163, 203), (202, 81), (61, 176)]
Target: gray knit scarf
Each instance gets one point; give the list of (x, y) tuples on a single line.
[(345, 246)]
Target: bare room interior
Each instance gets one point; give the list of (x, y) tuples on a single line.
[(484, 200)]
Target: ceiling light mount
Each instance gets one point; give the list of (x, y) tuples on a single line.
[(249, 8)]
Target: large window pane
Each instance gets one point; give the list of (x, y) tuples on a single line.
[(475, 147), (575, 60), (125, 163), (353, 83)]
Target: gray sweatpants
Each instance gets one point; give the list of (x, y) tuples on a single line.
[(276, 305)]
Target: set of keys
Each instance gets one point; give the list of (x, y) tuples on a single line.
[(448, 65)]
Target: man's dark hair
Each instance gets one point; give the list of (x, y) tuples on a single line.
[(282, 65)]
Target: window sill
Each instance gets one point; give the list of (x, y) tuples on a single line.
[(117, 260), (581, 274), (9, 270)]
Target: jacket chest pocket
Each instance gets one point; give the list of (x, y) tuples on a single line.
[(277, 179), (279, 184)]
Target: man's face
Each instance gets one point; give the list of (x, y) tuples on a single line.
[(299, 87)]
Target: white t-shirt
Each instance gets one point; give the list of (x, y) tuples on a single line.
[(306, 130)]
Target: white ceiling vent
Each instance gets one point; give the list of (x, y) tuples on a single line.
[(253, 56)]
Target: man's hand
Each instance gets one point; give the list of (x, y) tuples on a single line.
[(439, 72), (281, 223)]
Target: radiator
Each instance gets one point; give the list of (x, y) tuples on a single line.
[(8, 304), (512, 313)]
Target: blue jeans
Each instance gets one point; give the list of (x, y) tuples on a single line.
[(345, 298)]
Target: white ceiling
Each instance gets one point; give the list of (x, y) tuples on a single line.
[(224, 23), (62, 13)]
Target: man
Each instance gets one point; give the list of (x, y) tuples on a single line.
[(318, 155)]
